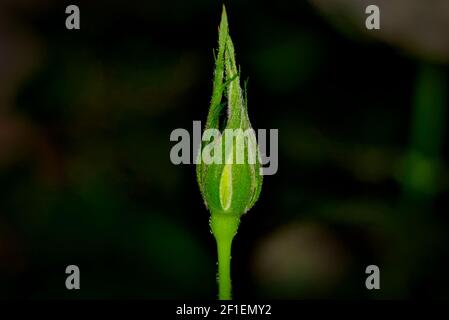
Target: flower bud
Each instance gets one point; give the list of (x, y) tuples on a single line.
[(229, 169)]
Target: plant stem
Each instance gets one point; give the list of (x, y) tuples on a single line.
[(427, 133), (422, 177), (224, 269), (224, 228)]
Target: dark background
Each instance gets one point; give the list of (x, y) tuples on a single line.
[(86, 178)]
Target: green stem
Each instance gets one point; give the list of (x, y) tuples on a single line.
[(224, 269), (422, 178), (427, 133), (224, 228)]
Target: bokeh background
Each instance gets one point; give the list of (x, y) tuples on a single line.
[(85, 174)]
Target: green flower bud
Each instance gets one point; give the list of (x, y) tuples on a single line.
[(231, 184)]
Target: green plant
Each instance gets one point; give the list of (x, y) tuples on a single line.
[(229, 188)]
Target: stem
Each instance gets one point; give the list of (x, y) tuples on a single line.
[(421, 180), (224, 228), (427, 133), (224, 269)]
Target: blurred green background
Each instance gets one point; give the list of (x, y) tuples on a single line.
[(86, 178)]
